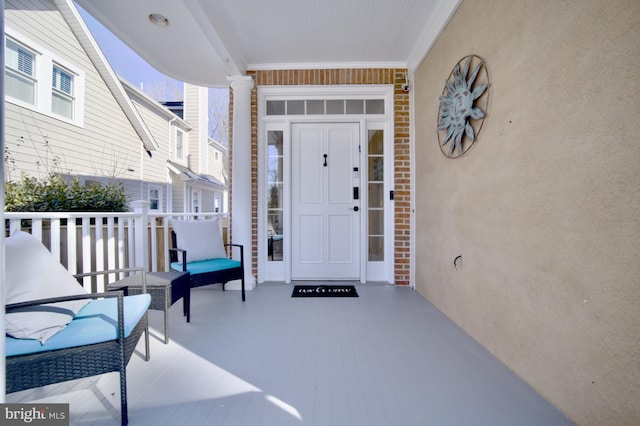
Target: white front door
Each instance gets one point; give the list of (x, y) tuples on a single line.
[(325, 207)]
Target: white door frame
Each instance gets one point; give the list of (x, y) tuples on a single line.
[(281, 271)]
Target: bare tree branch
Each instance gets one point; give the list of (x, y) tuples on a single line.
[(219, 115)]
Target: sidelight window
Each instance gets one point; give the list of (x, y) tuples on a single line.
[(375, 208), (275, 193)]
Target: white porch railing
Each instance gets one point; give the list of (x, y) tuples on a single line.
[(95, 241)]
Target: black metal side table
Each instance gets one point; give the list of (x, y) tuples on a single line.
[(165, 288)]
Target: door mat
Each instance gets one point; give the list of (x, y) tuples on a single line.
[(324, 291)]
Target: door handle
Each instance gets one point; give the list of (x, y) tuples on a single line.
[(356, 208)]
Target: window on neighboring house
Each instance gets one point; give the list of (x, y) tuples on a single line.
[(217, 201), (195, 206), (195, 202), (62, 92), (216, 156), (92, 181), (20, 72), (179, 144), (42, 81), (154, 198)]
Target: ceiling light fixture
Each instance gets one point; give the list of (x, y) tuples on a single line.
[(158, 19)]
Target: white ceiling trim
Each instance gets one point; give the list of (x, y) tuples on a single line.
[(325, 65), (234, 64), (432, 30)]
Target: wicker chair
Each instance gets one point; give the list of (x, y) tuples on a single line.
[(30, 370), (211, 271)]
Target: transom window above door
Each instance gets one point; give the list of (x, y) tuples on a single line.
[(325, 106)]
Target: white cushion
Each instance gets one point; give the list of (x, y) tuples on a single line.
[(200, 238), (33, 273)]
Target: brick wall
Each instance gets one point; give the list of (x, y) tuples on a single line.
[(402, 164)]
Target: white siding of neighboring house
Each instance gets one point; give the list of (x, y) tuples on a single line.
[(162, 124), (178, 200), (207, 203), (201, 153), (105, 145), (195, 113), (155, 171), (218, 168)]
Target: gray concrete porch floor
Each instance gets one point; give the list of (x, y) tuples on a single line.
[(387, 357)]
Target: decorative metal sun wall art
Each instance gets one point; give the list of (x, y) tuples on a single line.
[(463, 106)]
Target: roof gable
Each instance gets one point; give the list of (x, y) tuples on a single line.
[(76, 23)]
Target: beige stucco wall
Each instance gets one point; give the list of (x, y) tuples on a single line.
[(545, 208)]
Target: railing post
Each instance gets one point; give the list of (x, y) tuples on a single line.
[(141, 237)]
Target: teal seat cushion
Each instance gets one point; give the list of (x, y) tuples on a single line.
[(95, 323), (210, 265)]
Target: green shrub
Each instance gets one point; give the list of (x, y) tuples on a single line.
[(56, 195)]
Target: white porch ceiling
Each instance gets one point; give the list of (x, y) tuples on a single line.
[(207, 40)]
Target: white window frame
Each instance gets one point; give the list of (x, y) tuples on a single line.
[(60, 92), (179, 135), (383, 268), (44, 62), (217, 202), (159, 198), (196, 201), (90, 180), (20, 74)]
